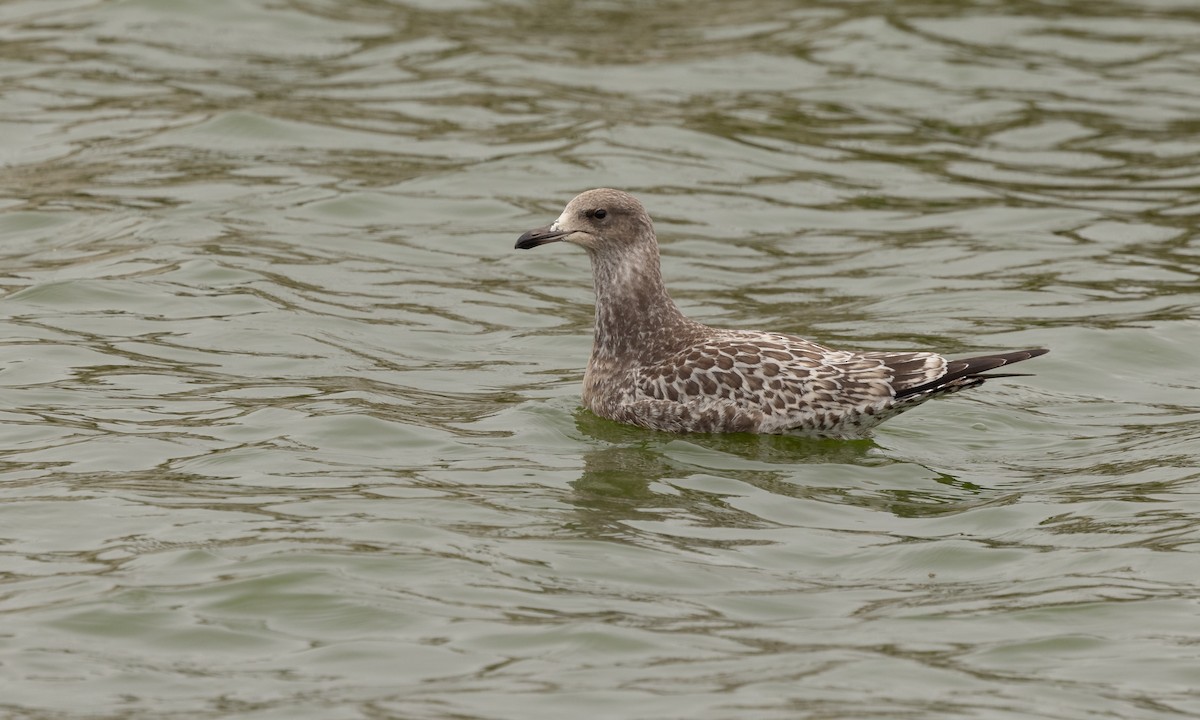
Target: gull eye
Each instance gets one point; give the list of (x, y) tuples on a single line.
[(599, 214)]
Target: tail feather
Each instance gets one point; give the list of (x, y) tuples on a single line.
[(973, 368)]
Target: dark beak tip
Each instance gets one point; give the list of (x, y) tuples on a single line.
[(540, 236)]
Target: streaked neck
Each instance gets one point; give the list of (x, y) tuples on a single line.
[(636, 320)]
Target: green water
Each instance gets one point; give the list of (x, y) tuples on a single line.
[(288, 429)]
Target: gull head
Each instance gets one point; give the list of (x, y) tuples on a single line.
[(598, 220)]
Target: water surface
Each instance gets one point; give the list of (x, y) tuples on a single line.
[(288, 429)]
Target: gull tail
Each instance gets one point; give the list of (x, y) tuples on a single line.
[(969, 372)]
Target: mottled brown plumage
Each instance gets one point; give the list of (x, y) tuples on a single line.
[(655, 368)]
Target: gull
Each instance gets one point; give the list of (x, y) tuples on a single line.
[(653, 367)]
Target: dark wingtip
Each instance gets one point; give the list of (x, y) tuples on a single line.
[(974, 368)]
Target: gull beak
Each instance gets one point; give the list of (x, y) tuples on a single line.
[(541, 236)]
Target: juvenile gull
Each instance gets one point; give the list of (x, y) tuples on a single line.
[(655, 368)]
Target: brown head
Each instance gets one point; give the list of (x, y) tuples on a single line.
[(601, 221), (634, 313)]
